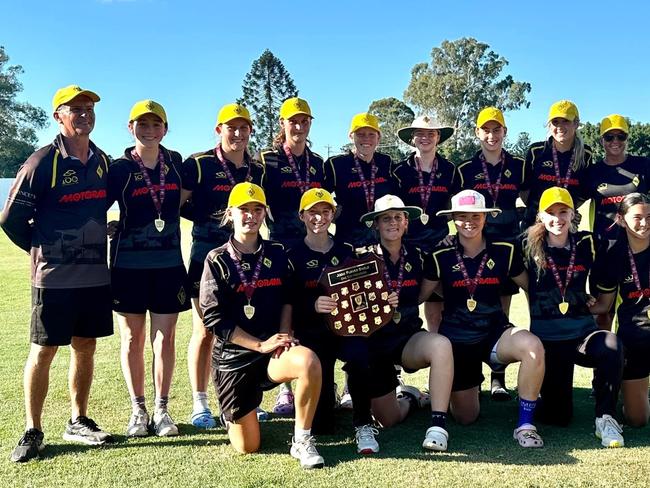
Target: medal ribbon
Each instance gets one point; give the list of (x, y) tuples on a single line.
[(157, 201), (302, 185), (635, 274), (218, 152), (249, 286), (426, 193), (393, 285), (370, 194), (471, 283), (493, 190), (556, 166), (569, 271)]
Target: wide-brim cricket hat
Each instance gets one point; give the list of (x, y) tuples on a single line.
[(425, 122), (469, 201), (388, 203)]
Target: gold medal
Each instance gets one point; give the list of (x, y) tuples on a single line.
[(160, 224), (369, 223), (249, 311), (424, 218), (563, 306), (471, 304), (397, 316), (648, 313)]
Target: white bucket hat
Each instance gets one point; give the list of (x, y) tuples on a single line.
[(424, 122), (387, 203), (469, 201)]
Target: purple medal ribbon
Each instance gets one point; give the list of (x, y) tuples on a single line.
[(302, 185), (556, 165), (493, 190), (569, 271), (157, 201), (396, 286), (370, 194), (425, 194), (218, 152), (249, 286), (471, 283), (635, 274)]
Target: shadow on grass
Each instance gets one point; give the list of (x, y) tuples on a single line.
[(489, 440)]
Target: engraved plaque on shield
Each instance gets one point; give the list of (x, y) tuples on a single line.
[(361, 295)]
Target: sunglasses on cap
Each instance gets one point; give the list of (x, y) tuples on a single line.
[(618, 137)]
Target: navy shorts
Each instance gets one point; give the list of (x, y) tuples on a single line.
[(194, 273), (159, 290), (58, 315)]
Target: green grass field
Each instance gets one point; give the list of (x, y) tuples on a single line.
[(483, 454)]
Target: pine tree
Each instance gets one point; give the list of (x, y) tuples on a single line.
[(265, 87)]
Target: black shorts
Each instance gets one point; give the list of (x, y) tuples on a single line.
[(160, 290), (240, 392), (468, 359), (637, 351), (194, 273), (58, 315), (509, 288)]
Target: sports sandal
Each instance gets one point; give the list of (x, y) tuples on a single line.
[(435, 439), (284, 403), (527, 436)]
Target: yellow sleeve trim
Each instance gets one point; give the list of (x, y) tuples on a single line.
[(55, 163)]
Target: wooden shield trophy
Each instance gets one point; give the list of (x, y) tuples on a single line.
[(361, 295)]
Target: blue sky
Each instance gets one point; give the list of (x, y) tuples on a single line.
[(192, 56)]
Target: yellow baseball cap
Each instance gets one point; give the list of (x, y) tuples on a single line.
[(490, 114), (564, 109), (554, 195), (362, 120), (64, 95), (612, 122), (243, 193), (316, 195), (294, 106), (233, 111), (144, 107)]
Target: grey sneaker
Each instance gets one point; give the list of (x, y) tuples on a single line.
[(138, 424), (163, 425), (365, 437), (29, 446), (305, 451), (609, 431), (86, 431)]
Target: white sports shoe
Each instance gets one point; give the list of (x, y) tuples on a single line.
[(346, 401), (163, 425), (609, 431), (305, 451), (435, 439), (138, 424), (365, 437)]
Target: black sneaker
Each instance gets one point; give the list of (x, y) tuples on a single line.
[(29, 446), (86, 431)]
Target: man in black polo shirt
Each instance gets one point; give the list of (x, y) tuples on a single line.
[(56, 211)]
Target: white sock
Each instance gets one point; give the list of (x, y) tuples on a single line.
[(200, 401), (299, 434)]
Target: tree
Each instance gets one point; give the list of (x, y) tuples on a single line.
[(638, 142), (265, 87), (19, 121), (393, 114), (520, 146), (463, 77)]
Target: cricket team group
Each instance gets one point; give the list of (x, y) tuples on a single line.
[(259, 314)]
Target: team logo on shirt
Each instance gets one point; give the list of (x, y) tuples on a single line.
[(286, 169), (408, 267), (635, 181), (100, 171), (220, 174), (181, 295), (507, 173), (313, 263), (70, 178), (547, 164), (138, 177), (334, 261), (479, 176), (490, 263), (602, 187), (455, 267), (246, 266), (312, 170), (628, 279), (267, 262)]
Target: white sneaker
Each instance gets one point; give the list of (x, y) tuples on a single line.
[(163, 425), (365, 437), (305, 451), (423, 399), (609, 431), (435, 439), (138, 424), (346, 401)]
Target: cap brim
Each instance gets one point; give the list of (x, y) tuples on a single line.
[(468, 210), (412, 212), (90, 94)]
